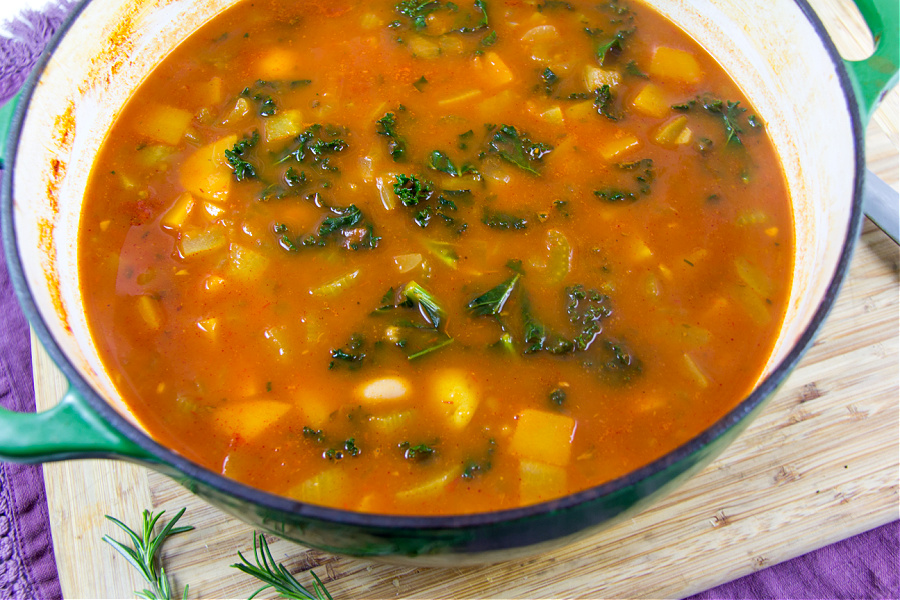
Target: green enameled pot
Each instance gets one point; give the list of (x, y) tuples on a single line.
[(815, 105)]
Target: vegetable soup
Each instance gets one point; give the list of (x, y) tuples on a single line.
[(435, 257)]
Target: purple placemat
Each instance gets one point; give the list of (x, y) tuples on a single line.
[(865, 566)]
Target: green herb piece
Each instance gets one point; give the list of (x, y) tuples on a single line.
[(538, 338), (603, 101), (607, 45), (411, 191), (443, 251), (315, 146), (554, 4), (586, 308), (550, 80), (417, 10), (356, 232), (439, 341), (144, 555), (614, 362), (242, 169), (419, 452), (387, 126), (489, 40), (352, 356), (314, 434), (266, 106), (441, 162), (558, 397), (644, 175), (464, 138), (476, 467), (276, 576), (502, 220), (517, 148), (482, 22), (348, 448), (494, 300), (419, 85), (631, 68)]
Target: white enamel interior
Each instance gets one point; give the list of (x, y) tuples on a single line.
[(768, 46)]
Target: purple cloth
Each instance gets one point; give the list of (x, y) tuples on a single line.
[(865, 566)]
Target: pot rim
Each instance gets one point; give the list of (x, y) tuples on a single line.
[(401, 522)]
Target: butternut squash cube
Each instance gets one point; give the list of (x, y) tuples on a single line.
[(673, 132), (165, 124), (650, 101), (675, 65), (206, 172), (539, 482), (595, 77), (543, 436), (454, 396), (249, 418)]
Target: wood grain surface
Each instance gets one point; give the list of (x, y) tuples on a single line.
[(819, 465)]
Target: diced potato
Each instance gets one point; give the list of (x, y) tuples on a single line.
[(674, 65), (432, 488), (383, 389), (622, 142), (176, 216), (756, 278), (249, 418), (196, 242), (246, 264), (673, 132), (286, 124), (206, 172), (328, 487), (210, 92), (496, 71), (543, 436), (755, 306), (454, 396), (278, 63), (407, 262), (315, 411), (553, 115), (497, 103), (464, 96), (451, 45), (212, 210), (650, 101), (165, 124), (595, 77), (422, 47), (581, 111), (241, 110), (150, 310), (335, 286), (539, 482)]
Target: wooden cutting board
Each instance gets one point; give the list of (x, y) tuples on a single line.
[(819, 465)]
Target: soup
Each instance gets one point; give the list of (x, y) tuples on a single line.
[(434, 258)]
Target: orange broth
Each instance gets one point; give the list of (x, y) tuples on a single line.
[(435, 258)]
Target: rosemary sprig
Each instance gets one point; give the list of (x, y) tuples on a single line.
[(276, 576), (143, 556)]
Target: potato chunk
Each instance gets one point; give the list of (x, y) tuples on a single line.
[(539, 482), (543, 437), (165, 124), (675, 65), (249, 418)]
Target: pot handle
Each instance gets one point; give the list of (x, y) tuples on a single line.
[(876, 75), (71, 429)]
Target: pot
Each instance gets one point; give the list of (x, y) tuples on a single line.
[(776, 50)]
